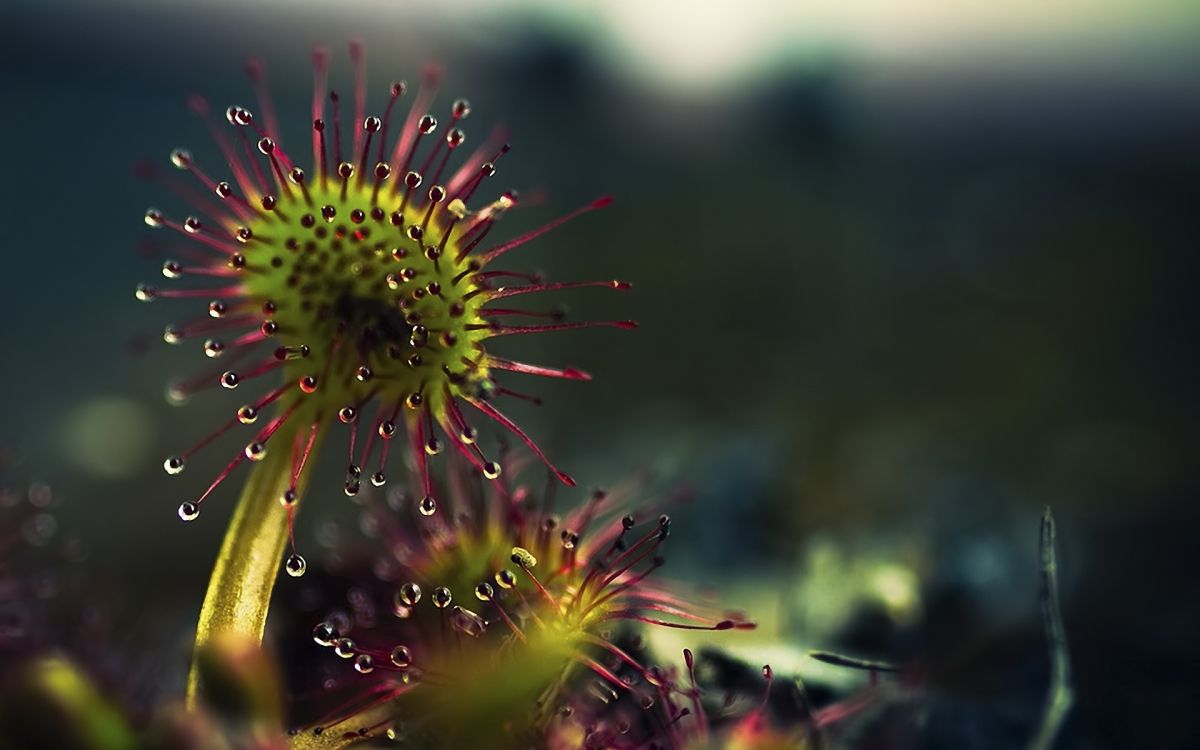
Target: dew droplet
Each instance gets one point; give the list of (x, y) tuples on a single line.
[(146, 293), (505, 579), (247, 414), (401, 656), (172, 269), (189, 511), (295, 565), (242, 116), (288, 498), (174, 464), (410, 594), (427, 506), (155, 218), (484, 592), (256, 451), (230, 379), (441, 597), (344, 648), (491, 470), (181, 158), (364, 664), (419, 336), (324, 634), (213, 348)]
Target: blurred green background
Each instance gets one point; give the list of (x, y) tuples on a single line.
[(905, 274)]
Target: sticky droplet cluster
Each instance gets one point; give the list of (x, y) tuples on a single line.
[(498, 612)]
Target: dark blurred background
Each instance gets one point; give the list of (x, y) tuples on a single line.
[(905, 276)]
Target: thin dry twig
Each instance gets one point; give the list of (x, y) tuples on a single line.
[(853, 662), (1061, 694)]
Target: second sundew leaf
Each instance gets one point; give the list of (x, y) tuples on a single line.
[(491, 624)]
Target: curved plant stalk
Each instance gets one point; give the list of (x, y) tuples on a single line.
[(239, 591)]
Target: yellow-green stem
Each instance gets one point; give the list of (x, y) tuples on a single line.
[(239, 591)]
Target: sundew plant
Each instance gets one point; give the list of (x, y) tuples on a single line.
[(362, 290)]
